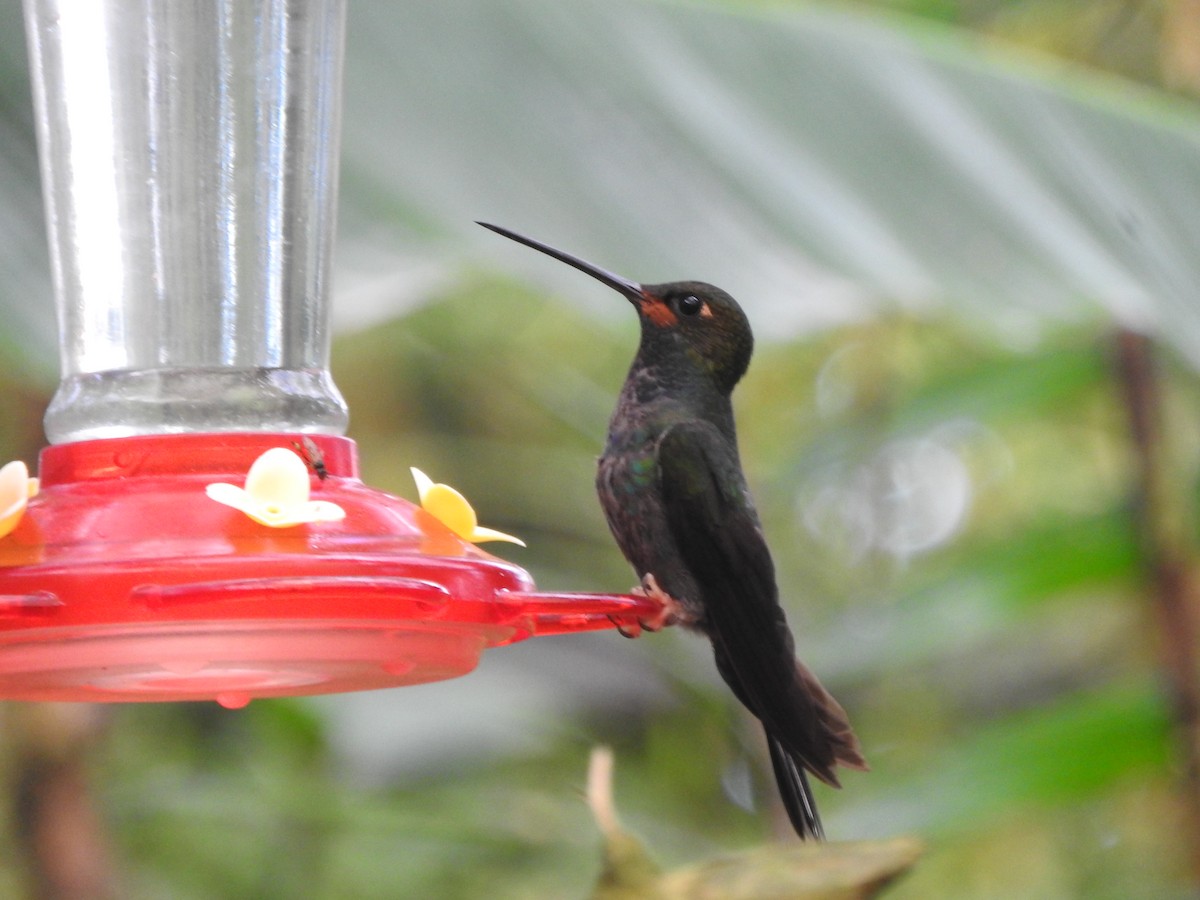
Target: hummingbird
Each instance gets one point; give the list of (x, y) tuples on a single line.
[(671, 485)]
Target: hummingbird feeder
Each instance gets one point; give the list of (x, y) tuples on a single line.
[(198, 529)]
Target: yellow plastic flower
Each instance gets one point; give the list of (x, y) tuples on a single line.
[(16, 487), (276, 492), (451, 508)]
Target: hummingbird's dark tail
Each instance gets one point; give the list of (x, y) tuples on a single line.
[(807, 732), (795, 792)]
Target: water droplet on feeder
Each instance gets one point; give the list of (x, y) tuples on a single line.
[(233, 699)]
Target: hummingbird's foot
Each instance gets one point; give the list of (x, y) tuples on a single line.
[(670, 611)]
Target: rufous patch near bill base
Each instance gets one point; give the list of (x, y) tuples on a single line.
[(658, 312)]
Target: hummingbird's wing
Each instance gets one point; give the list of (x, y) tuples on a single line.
[(716, 530)]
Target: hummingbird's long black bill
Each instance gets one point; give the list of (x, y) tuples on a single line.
[(631, 289)]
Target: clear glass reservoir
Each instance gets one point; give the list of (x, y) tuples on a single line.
[(189, 162)]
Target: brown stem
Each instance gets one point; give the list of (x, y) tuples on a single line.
[(1179, 45), (1164, 537)]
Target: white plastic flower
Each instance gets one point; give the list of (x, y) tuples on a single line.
[(16, 487), (276, 492), (451, 508)]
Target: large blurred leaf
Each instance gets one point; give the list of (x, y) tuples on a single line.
[(814, 163)]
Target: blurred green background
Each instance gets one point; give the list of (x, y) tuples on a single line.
[(966, 234)]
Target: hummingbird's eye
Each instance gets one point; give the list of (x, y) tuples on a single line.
[(690, 305)]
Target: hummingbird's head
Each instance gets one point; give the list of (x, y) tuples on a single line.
[(692, 328), (696, 325)]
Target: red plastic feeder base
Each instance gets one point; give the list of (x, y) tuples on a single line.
[(124, 581)]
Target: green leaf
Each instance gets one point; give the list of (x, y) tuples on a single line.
[(1062, 752), (847, 870)]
